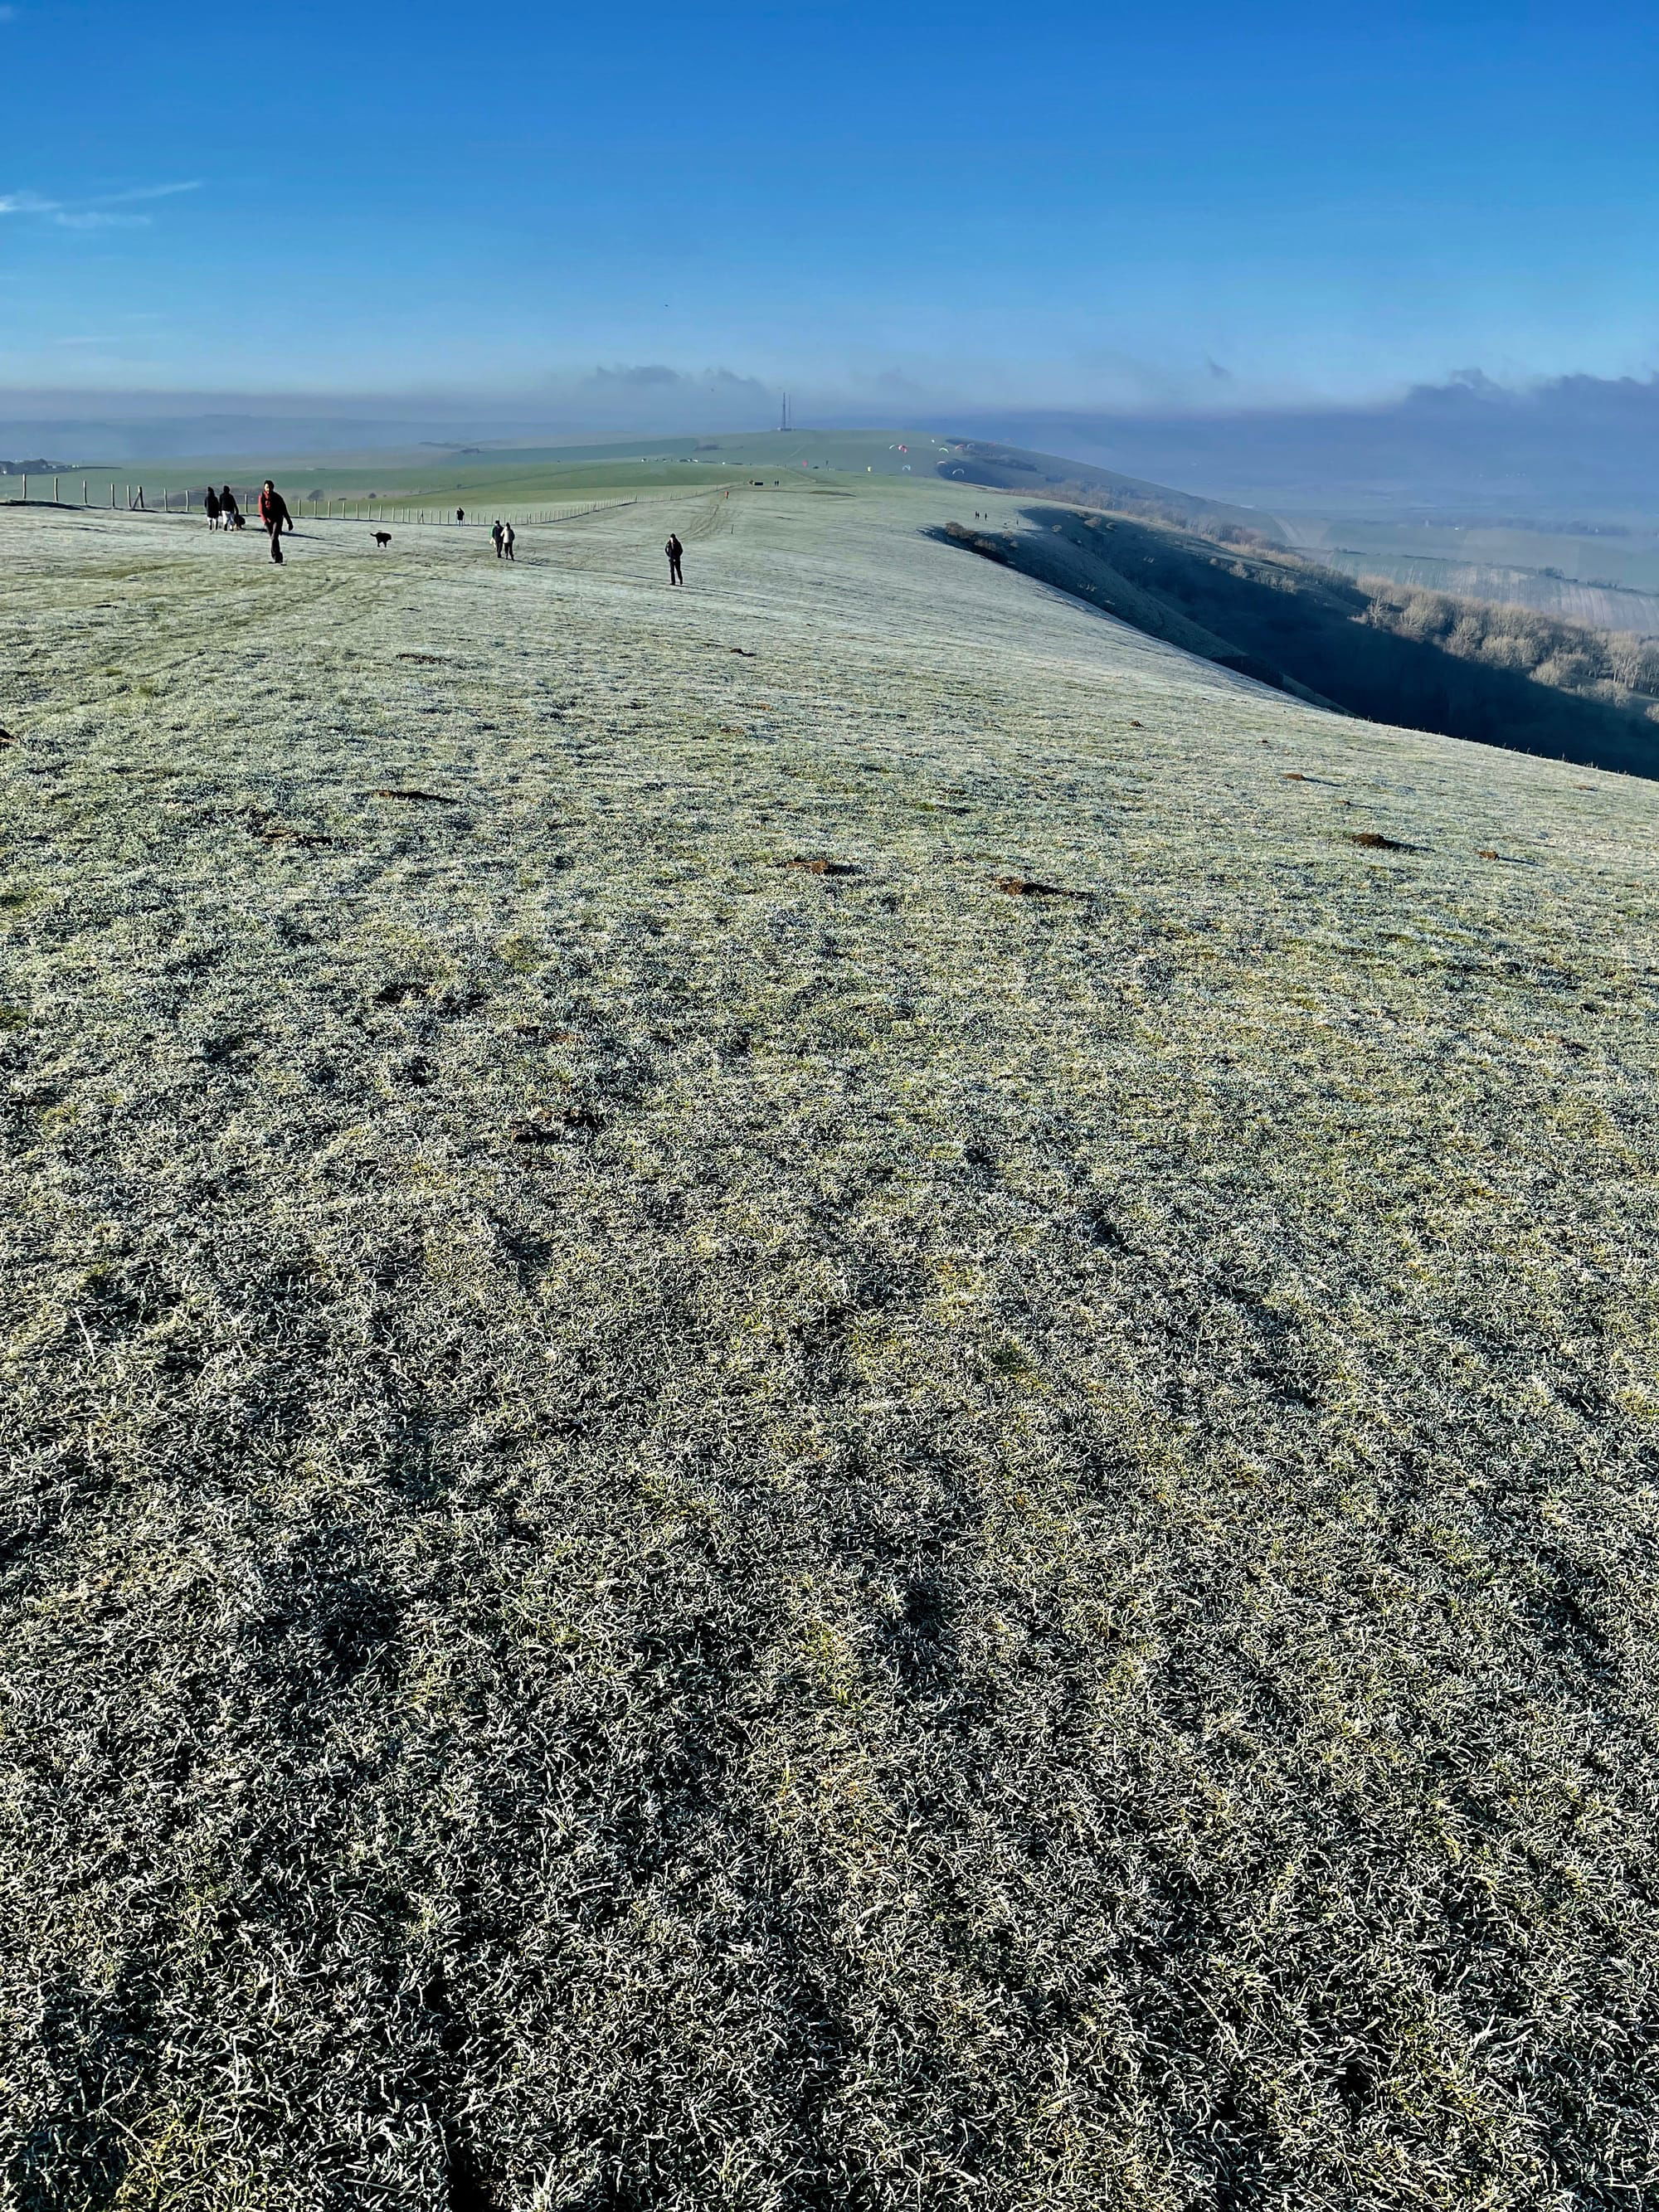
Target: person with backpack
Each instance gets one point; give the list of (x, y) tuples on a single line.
[(275, 518), (676, 553)]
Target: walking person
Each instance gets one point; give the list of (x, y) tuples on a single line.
[(508, 542), (460, 514), (231, 514), (676, 553), (273, 514), (495, 537), (211, 503)]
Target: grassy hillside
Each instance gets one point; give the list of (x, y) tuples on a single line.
[(535, 476), (1410, 658), (516, 477), (830, 1392), (1012, 468)]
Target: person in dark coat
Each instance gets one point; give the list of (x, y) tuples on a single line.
[(495, 539), (230, 514), (676, 553), (211, 503), (273, 514)]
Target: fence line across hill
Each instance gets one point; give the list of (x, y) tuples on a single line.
[(132, 499)]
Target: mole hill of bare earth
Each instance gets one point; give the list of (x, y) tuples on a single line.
[(838, 1391)]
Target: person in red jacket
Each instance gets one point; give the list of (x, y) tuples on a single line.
[(273, 514)]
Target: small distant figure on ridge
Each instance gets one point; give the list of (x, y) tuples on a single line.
[(273, 514), (460, 514), (211, 503), (507, 553), (676, 553), (496, 534)]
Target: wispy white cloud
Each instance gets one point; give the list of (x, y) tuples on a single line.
[(103, 211), (145, 192), (98, 219)]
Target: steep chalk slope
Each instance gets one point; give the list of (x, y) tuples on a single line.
[(1432, 664), (702, 1510)]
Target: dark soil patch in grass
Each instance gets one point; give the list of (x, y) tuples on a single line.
[(1025, 887)]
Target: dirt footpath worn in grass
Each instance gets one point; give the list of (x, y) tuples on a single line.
[(828, 1393)]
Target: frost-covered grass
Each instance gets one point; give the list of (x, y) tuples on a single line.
[(685, 1533)]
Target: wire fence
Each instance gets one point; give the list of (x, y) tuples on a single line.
[(134, 499)]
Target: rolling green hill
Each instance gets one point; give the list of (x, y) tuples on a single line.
[(517, 477), (1012, 468)]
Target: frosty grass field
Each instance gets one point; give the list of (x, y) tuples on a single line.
[(703, 1513)]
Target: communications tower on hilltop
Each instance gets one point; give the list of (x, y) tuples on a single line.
[(783, 416)]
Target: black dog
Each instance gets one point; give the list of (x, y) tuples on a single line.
[(383, 538)]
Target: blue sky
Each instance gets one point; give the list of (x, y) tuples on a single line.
[(1146, 207)]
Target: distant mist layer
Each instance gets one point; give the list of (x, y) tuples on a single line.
[(643, 400), (76, 439), (1581, 447)]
